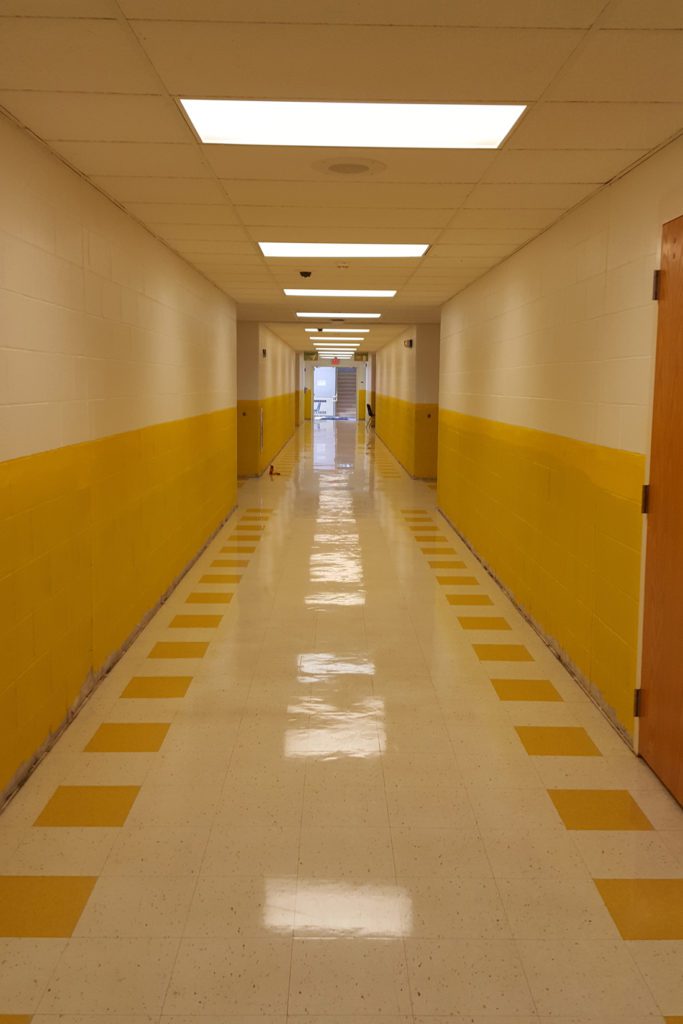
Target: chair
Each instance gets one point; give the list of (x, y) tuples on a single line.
[(371, 415)]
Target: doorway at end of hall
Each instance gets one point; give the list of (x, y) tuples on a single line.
[(334, 393)]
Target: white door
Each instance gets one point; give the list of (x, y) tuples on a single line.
[(324, 391)]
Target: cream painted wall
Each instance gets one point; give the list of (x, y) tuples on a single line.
[(561, 336), (248, 356), (396, 374), (103, 329), (277, 372), (427, 341)]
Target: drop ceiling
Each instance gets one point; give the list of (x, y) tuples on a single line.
[(99, 82)]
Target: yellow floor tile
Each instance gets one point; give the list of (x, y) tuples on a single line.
[(526, 689), (413, 510), (88, 807), (241, 537), (457, 581), (254, 518), (603, 809), (557, 741), (645, 908), (673, 1020), (157, 686), (438, 551), (128, 737), (446, 565), (196, 621), (178, 649), (220, 578), (15, 1018), (250, 527), (261, 511), (209, 597), (502, 652), (230, 563), (479, 600), (237, 549), (483, 622), (430, 538), (424, 524), (44, 907)]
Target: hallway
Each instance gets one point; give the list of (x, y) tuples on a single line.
[(339, 778)]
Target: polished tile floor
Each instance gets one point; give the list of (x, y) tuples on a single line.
[(338, 778)]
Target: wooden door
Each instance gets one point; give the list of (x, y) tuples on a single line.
[(661, 714)]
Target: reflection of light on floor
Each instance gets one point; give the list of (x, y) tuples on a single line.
[(335, 568), (321, 664), (356, 731), (340, 597), (338, 908)]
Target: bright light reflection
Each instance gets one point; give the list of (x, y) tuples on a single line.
[(337, 330), (326, 568), (357, 731), (338, 597), (338, 908), (321, 664)]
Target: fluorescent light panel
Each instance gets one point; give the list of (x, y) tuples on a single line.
[(368, 125), (337, 330), (342, 293), (341, 316), (341, 250)]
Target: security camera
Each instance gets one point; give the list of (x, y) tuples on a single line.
[(305, 273)]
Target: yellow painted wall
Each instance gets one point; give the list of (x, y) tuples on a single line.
[(361, 411), (559, 522), (91, 537), (279, 420), (308, 404), (409, 430)]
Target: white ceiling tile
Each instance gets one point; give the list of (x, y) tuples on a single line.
[(205, 232), (597, 125), (326, 217), (534, 220), (536, 165), (97, 117), (161, 190), (620, 66), (135, 159), (463, 251), (59, 8), (343, 234), (640, 14), (441, 65), (194, 247), (547, 196), (523, 13), (487, 236), (344, 194), (77, 55), (301, 163), (183, 213)]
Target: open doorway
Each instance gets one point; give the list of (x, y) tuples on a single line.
[(334, 392)]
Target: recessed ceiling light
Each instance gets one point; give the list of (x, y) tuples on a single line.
[(341, 250), (336, 343), (367, 125), (342, 293), (338, 330), (341, 316)]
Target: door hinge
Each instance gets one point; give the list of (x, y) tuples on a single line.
[(645, 499), (656, 280), (636, 703)]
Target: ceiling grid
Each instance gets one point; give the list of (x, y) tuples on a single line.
[(100, 82)]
